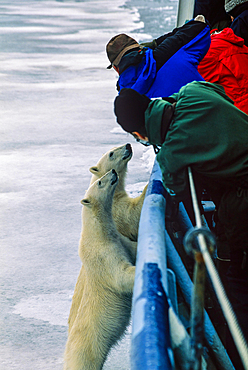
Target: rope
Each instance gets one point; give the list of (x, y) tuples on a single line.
[(225, 304)]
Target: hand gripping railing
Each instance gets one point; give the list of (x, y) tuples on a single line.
[(205, 239)]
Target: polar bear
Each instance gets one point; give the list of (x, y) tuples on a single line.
[(105, 282), (126, 210)]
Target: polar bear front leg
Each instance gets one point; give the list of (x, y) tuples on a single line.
[(83, 348), (77, 296), (124, 281), (130, 246)]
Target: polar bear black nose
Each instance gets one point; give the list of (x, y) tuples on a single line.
[(114, 172), (128, 146)]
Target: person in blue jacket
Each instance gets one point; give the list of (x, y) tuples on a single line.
[(162, 67)]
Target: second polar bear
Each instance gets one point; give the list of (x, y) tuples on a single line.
[(126, 210), (105, 281)]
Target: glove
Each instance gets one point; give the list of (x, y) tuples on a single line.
[(152, 44), (200, 18)]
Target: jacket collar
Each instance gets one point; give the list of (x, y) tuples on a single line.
[(133, 57), (158, 117), (228, 35)]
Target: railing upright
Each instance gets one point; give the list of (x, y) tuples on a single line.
[(151, 342)]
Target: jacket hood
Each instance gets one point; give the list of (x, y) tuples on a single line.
[(153, 120), (140, 77), (228, 35)]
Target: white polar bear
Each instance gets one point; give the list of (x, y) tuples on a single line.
[(105, 283), (126, 210)]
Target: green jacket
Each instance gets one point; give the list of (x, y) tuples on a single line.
[(207, 133)]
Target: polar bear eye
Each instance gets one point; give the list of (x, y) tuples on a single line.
[(111, 154), (99, 183)]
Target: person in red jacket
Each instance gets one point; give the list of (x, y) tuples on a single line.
[(226, 63)]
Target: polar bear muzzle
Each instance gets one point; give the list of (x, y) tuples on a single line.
[(128, 152), (114, 177)]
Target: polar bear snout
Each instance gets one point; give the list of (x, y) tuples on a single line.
[(114, 177), (129, 147), (128, 152)]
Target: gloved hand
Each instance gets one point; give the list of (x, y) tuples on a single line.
[(152, 44), (200, 18)]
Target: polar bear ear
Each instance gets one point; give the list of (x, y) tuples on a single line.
[(94, 170), (85, 202)]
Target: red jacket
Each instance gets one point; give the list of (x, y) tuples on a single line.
[(226, 63)]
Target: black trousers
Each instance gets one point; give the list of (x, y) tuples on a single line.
[(233, 215)]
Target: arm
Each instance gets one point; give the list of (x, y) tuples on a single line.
[(175, 184), (156, 42), (169, 44), (211, 65)]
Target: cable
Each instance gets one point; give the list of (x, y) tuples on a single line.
[(225, 304)]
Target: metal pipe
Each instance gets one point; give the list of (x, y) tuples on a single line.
[(228, 312), (197, 313), (151, 341), (185, 11), (174, 262)]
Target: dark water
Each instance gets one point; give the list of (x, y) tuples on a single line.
[(56, 109)]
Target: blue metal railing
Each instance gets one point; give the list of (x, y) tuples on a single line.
[(151, 342), (156, 327)]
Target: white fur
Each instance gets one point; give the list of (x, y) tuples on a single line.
[(101, 303), (126, 210)]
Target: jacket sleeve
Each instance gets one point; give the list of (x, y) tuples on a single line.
[(170, 43), (156, 42), (210, 66), (176, 184)]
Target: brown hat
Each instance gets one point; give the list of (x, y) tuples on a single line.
[(118, 46)]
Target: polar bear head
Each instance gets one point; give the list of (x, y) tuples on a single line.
[(116, 158), (99, 195)]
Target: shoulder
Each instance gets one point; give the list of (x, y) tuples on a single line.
[(133, 58)]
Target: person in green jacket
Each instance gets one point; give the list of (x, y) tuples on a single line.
[(199, 127)]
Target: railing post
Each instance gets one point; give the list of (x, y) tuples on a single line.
[(185, 11), (151, 342), (197, 313)]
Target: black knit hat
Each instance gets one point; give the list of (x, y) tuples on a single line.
[(129, 108)]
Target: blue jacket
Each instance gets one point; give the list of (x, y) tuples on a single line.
[(181, 51)]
